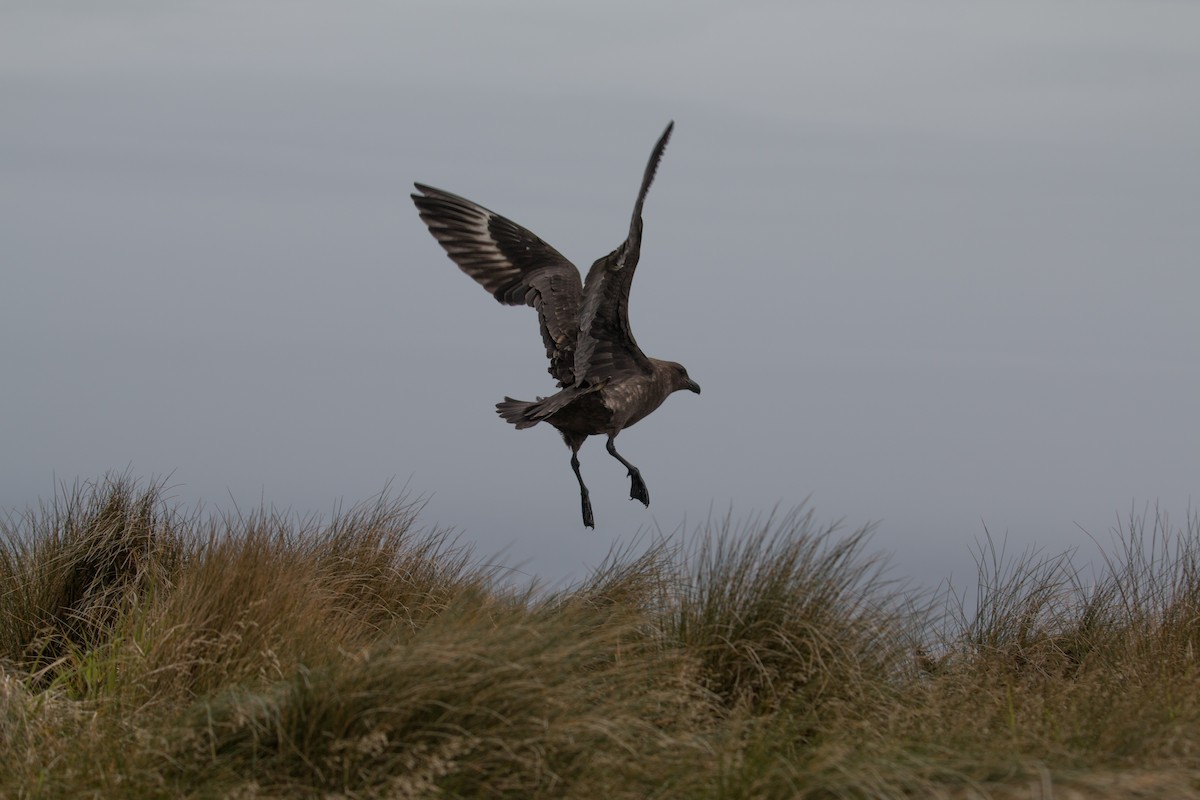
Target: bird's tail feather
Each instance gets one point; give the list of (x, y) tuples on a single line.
[(522, 413), (527, 413)]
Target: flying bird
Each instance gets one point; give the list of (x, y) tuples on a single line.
[(606, 383)]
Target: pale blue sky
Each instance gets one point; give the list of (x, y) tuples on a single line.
[(935, 264)]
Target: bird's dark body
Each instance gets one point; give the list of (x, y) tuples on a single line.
[(607, 382), (595, 411), (586, 415)]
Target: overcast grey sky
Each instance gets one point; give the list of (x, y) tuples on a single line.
[(934, 263)]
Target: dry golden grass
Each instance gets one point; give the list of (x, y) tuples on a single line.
[(147, 652)]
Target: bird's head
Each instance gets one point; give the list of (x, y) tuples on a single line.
[(680, 379)]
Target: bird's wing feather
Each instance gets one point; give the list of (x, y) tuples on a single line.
[(513, 264), (606, 347)]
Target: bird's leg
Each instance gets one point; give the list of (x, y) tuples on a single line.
[(637, 486), (588, 521)]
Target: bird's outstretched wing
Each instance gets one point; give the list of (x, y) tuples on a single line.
[(606, 347), (514, 265)]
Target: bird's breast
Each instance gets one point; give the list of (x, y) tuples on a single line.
[(630, 400)]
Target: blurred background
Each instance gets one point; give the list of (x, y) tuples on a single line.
[(934, 264)]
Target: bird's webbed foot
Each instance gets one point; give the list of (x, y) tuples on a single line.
[(585, 502), (637, 487), (588, 520)]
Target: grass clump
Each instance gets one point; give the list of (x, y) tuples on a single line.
[(781, 612), (147, 652)]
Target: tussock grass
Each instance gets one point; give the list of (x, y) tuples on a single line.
[(149, 652), (781, 612)]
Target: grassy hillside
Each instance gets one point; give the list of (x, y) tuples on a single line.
[(151, 652)]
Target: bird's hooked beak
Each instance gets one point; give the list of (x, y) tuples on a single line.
[(693, 386)]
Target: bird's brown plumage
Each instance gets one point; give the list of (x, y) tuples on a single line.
[(607, 382)]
